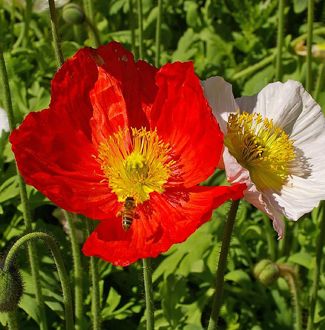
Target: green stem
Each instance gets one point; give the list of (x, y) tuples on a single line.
[(95, 299), (28, 13), (270, 237), (158, 33), (94, 32), (89, 10), (267, 60), (77, 270), (320, 79), (290, 276), (317, 31), (284, 244), (280, 39), (310, 23), (55, 34), (255, 67), (12, 321), (132, 28), (222, 264), (147, 275), (64, 279), (140, 26), (32, 255), (318, 267)]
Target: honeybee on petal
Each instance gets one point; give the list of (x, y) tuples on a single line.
[(128, 213)]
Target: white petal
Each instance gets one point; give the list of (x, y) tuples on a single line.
[(4, 123), (219, 94), (237, 174), (278, 101), (306, 188), (247, 103)]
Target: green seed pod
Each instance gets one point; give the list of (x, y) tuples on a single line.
[(73, 14), (266, 271), (11, 289)]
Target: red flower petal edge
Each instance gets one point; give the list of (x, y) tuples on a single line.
[(103, 101), (168, 219)]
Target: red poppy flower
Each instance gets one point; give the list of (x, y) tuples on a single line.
[(127, 144)]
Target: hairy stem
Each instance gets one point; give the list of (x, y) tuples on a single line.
[(222, 264), (310, 25), (132, 27), (95, 299), (318, 267), (140, 26), (77, 271), (55, 34), (280, 39), (158, 33), (270, 237), (89, 10), (147, 275), (320, 80), (64, 279), (32, 255), (291, 277), (12, 321)]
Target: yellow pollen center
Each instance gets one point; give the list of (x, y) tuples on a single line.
[(264, 149), (135, 162)]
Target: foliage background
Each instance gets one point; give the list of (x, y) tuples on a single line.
[(232, 38)]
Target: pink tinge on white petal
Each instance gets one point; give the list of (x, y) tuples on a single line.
[(221, 99), (237, 174)]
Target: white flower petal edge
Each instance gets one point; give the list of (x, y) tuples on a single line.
[(294, 110), (219, 94), (4, 123)]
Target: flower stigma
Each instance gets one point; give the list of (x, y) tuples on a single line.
[(261, 147), (135, 162)]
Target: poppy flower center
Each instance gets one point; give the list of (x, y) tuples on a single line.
[(261, 147), (135, 162)]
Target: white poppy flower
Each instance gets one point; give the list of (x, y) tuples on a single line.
[(4, 123), (274, 142)]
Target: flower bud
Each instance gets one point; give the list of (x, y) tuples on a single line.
[(73, 14), (266, 271), (11, 289)]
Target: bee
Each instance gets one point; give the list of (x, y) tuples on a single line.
[(128, 213)]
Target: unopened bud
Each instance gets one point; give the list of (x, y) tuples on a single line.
[(266, 271), (11, 289), (73, 14)]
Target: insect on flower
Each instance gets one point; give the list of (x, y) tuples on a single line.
[(274, 144), (126, 144), (128, 213)]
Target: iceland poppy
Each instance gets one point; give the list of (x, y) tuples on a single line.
[(274, 144), (127, 144)]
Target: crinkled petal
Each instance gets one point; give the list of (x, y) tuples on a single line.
[(124, 91), (278, 101), (60, 164), (54, 149), (221, 99), (165, 220), (261, 200), (183, 118)]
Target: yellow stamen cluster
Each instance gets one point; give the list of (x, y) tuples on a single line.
[(135, 162), (264, 149)]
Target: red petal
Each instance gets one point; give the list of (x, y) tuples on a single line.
[(123, 93), (165, 220), (59, 162), (184, 119)]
